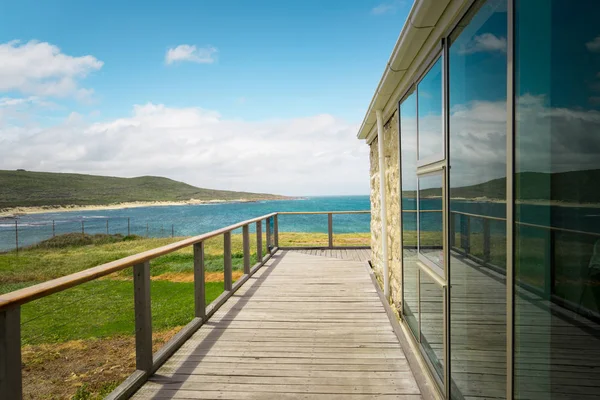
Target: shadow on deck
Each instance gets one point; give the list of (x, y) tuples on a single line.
[(307, 326)]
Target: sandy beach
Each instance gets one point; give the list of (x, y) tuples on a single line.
[(15, 211)]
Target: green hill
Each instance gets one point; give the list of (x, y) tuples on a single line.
[(574, 186), (35, 189)]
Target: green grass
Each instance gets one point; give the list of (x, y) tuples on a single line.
[(104, 308), (34, 189)]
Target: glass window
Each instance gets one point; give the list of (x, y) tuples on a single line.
[(431, 220), (408, 155), (432, 322), (431, 127), (477, 185), (557, 199)]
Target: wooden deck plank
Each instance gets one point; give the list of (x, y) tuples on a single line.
[(308, 325)]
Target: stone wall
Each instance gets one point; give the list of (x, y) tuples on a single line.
[(392, 193)]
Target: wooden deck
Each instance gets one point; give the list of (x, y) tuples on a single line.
[(342, 254), (305, 326)]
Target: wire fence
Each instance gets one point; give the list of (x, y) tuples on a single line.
[(16, 234)]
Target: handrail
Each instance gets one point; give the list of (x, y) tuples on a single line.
[(28, 294), (330, 214), (322, 212)]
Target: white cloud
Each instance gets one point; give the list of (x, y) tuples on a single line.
[(387, 7), (41, 69), (186, 52), (302, 156), (551, 139), (594, 45), (486, 42)]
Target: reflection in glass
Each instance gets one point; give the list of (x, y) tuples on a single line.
[(431, 220), (557, 210), (431, 128), (477, 147), (408, 149), (432, 323)]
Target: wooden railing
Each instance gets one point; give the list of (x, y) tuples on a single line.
[(464, 248), (330, 214), (146, 362)]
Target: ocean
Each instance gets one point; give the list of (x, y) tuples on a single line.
[(187, 220)]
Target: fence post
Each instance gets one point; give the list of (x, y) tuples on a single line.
[(276, 230), (53, 229), (330, 229), (227, 260), (246, 248), (268, 235), (172, 230), (107, 227), (17, 236), (128, 230), (199, 288), (143, 317), (486, 240), (82, 228), (259, 256), (11, 385)]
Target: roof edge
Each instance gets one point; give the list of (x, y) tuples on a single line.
[(423, 19)]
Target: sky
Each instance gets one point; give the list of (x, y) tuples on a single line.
[(258, 95)]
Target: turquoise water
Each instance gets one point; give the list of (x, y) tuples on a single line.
[(188, 220)]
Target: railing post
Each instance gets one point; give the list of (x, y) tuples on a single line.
[(107, 227), (82, 228), (199, 288), (53, 229), (259, 256), (550, 244), (11, 386), (276, 230), (268, 235), (128, 231), (452, 229), (143, 317), (465, 233), (227, 260), (17, 236), (246, 248), (330, 229), (486, 240)]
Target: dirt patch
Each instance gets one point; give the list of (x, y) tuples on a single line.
[(189, 277), (90, 368)]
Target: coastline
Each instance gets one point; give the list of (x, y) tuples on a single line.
[(13, 212)]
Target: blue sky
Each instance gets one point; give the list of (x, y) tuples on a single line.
[(90, 68), (275, 59)]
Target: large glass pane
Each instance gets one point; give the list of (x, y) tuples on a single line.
[(477, 83), (432, 323), (431, 220), (431, 127), (557, 210), (408, 159)]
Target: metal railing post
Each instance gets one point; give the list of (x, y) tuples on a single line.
[(276, 230), (452, 228), (143, 317), (128, 230), (82, 228), (199, 288), (11, 386), (53, 229), (330, 229), (259, 256), (17, 236), (227, 261), (246, 248), (486, 240)]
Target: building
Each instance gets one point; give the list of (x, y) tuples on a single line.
[(485, 167)]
